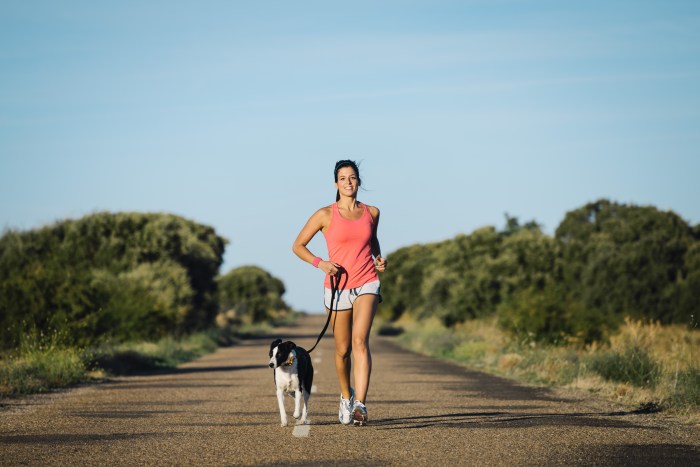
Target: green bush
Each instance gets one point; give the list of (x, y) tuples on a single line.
[(547, 316), (249, 293), (109, 276), (535, 315), (41, 372), (432, 340), (41, 363), (401, 283), (633, 365), (629, 260), (167, 352), (387, 329), (606, 261), (687, 388)]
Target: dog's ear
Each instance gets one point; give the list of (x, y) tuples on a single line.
[(274, 344)]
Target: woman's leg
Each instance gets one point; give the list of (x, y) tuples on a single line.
[(341, 322), (363, 312)]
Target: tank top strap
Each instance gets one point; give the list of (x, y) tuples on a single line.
[(368, 213)]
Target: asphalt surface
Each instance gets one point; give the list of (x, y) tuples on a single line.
[(222, 410)]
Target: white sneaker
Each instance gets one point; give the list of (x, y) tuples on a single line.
[(345, 411)]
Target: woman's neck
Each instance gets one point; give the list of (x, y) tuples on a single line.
[(347, 203)]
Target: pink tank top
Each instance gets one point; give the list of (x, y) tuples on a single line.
[(349, 244)]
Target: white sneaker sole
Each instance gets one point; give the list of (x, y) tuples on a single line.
[(340, 419)]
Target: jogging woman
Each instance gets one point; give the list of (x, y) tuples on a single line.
[(350, 230)]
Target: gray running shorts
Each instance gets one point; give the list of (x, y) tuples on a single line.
[(344, 299)]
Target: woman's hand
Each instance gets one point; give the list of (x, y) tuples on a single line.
[(380, 263), (330, 267)]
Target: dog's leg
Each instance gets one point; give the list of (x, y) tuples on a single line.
[(297, 403), (280, 401), (305, 408)]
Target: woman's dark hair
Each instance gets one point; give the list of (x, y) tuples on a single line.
[(345, 163)]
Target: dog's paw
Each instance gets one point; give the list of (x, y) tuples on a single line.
[(284, 423), (296, 414), (302, 422)]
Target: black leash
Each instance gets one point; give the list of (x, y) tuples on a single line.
[(335, 282)]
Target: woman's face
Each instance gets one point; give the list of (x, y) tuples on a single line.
[(348, 183)]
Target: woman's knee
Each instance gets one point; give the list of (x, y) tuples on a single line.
[(360, 344), (343, 351)]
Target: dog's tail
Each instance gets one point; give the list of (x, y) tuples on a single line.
[(335, 282)]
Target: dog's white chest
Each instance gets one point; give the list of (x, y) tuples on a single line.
[(287, 381)]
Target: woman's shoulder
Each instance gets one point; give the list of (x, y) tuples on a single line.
[(323, 213), (373, 210)]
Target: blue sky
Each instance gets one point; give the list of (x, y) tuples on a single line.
[(233, 114)]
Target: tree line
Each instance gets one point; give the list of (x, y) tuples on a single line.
[(121, 277), (128, 276), (606, 261)]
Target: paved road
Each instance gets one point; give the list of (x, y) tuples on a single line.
[(222, 410)]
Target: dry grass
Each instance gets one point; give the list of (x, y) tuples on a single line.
[(643, 362), (676, 347)]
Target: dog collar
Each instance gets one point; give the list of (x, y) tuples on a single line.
[(290, 362)]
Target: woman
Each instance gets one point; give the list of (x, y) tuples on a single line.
[(350, 229)]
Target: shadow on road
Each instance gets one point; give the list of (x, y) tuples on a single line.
[(192, 370), (75, 438), (476, 420), (648, 454), (206, 369), (271, 337)]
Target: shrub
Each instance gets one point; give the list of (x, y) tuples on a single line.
[(119, 276), (386, 329), (606, 261), (432, 338), (41, 372), (167, 352), (250, 294), (687, 388), (41, 363), (632, 365), (630, 260)]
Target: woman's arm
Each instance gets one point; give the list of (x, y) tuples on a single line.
[(317, 222), (380, 262)]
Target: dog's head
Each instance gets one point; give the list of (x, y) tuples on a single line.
[(281, 353)]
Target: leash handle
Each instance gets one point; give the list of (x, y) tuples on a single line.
[(335, 282)]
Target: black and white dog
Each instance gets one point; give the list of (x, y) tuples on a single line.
[(294, 376)]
